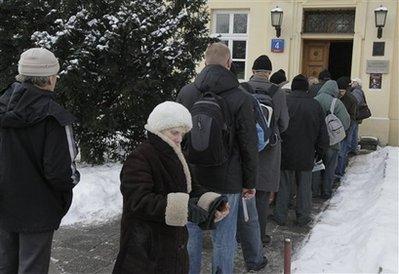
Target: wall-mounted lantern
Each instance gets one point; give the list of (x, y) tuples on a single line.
[(380, 19), (277, 19)]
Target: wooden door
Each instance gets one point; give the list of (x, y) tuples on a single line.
[(315, 57)]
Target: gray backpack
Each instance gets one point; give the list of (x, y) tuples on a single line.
[(335, 129)]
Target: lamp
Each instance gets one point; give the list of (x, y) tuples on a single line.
[(380, 18), (277, 19)]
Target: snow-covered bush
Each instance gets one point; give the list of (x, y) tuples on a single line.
[(118, 60)]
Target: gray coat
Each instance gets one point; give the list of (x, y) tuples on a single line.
[(270, 158)]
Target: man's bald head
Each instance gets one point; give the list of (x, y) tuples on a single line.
[(218, 54)]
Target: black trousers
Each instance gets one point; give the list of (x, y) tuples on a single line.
[(303, 180), (25, 253), (263, 207)]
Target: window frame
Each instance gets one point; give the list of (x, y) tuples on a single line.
[(230, 36), (329, 13)]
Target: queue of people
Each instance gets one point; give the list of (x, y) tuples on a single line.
[(213, 160)]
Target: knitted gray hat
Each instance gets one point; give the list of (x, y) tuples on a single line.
[(38, 62)]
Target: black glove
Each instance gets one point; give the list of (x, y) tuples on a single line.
[(214, 206), (196, 214)]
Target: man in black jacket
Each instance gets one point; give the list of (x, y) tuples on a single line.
[(238, 175), (37, 170), (305, 138), (350, 104)]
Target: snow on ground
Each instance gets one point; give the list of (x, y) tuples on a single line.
[(96, 199), (358, 233)]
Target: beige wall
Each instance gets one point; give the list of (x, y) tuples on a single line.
[(383, 103), (394, 98), (380, 102)]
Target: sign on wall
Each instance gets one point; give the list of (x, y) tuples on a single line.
[(378, 48), (277, 45), (377, 66), (375, 81)]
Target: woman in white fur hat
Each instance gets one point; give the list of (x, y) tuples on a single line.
[(156, 186)]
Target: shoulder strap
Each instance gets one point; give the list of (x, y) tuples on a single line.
[(332, 107)]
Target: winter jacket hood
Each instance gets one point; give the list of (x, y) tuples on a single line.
[(23, 105), (330, 88), (326, 94), (215, 78)]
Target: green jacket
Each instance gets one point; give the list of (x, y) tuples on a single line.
[(326, 94)]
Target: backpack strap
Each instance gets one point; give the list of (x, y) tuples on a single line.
[(332, 107)]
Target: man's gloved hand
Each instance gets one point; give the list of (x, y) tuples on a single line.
[(196, 214)]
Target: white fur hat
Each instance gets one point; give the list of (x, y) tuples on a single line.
[(38, 62), (357, 80), (168, 115)]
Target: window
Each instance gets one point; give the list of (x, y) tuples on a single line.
[(232, 29), (329, 21)]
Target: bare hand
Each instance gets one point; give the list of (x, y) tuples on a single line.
[(248, 193)]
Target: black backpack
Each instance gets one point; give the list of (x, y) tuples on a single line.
[(264, 114), (209, 141)]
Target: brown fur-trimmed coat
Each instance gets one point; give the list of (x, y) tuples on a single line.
[(154, 183)]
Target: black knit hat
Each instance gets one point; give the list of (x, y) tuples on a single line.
[(262, 63), (300, 83), (343, 82), (278, 77), (324, 75)]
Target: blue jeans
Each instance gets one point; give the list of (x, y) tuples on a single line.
[(330, 161), (249, 234), (323, 180), (346, 146), (355, 135), (223, 240)]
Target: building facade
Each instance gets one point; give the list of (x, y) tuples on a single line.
[(340, 35)]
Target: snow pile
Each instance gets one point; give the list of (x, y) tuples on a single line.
[(97, 198), (359, 230)]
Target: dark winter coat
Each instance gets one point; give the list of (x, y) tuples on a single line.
[(149, 176), (314, 89), (37, 151), (350, 104), (241, 169), (358, 93), (306, 134), (270, 158)]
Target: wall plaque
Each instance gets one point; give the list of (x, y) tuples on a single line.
[(378, 48), (377, 66)]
